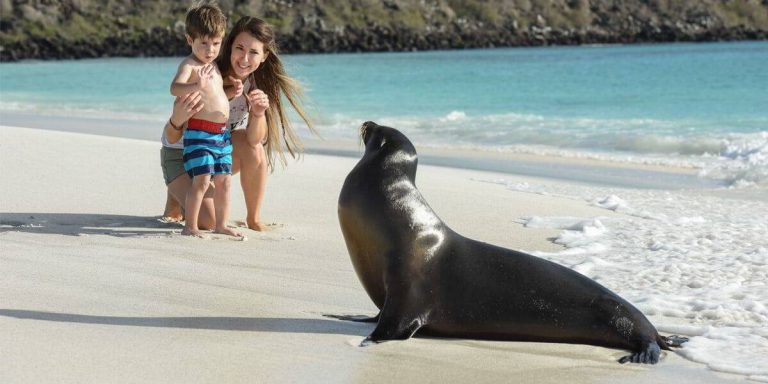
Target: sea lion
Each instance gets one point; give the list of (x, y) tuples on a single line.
[(426, 278)]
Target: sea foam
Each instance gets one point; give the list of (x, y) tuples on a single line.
[(694, 263), (735, 159), (742, 162)]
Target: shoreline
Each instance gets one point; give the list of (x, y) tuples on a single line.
[(578, 170)]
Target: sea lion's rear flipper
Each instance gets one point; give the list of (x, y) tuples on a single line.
[(649, 354), (674, 341), (356, 318)]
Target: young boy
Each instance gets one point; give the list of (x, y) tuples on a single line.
[(207, 144)]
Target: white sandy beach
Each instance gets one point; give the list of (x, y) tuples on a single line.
[(96, 290)]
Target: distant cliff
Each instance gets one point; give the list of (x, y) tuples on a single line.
[(61, 29)]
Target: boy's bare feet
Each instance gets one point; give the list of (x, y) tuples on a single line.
[(258, 226), (228, 231), (192, 232)]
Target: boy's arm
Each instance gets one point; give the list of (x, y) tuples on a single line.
[(181, 86)]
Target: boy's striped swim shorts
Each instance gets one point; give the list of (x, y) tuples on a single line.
[(205, 151)]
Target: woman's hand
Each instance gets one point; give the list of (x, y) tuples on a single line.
[(183, 108), (258, 102), (186, 107)]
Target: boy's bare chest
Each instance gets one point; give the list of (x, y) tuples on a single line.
[(214, 79)]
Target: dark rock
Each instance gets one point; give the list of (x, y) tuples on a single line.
[(319, 26)]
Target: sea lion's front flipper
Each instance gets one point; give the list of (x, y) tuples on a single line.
[(399, 319)]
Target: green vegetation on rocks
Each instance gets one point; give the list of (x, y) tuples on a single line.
[(58, 29)]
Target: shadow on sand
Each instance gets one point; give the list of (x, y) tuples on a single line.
[(256, 324), (78, 224)]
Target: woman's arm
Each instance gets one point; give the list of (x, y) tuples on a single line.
[(183, 108), (256, 132)]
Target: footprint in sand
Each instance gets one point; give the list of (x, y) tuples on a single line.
[(268, 226)]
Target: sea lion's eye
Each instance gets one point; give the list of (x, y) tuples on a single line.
[(382, 143)]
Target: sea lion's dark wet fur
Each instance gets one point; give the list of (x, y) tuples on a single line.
[(425, 277)]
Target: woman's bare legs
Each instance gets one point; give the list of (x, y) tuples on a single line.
[(251, 161), (178, 188), (173, 211)]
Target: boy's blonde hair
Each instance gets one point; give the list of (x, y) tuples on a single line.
[(206, 20)]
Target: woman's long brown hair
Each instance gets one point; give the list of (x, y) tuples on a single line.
[(271, 78)]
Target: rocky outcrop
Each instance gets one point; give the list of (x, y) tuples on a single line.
[(49, 29)]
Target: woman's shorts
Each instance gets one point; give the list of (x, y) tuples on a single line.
[(172, 162)]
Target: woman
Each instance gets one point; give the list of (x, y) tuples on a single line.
[(255, 80)]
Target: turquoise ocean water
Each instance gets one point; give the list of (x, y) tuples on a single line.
[(701, 105)]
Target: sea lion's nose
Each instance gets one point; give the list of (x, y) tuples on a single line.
[(364, 129)]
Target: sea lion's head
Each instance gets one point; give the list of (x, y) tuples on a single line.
[(389, 146), (377, 138)]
